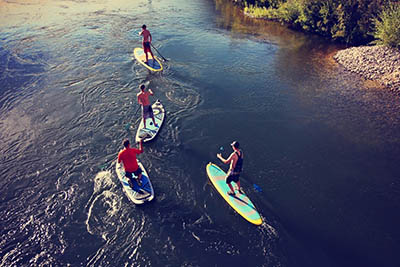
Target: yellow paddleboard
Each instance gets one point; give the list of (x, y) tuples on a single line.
[(153, 65)]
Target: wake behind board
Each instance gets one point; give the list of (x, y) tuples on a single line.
[(150, 132), (239, 202), (137, 194), (153, 65)]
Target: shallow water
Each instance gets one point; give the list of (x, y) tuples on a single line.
[(322, 144)]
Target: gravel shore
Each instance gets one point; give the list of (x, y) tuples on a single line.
[(377, 63)]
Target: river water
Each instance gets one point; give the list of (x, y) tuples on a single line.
[(323, 145)]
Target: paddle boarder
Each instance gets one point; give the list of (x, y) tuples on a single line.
[(146, 42), (128, 158), (236, 161), (143, 99)]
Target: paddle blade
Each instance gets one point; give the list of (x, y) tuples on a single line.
[(257, 188)]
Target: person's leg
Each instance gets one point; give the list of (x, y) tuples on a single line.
[(148, 50), (239, 188), (151, 115), (145, 52), (139, 179), (130, 177), (232, 192), (144, 115), (154, 121), (228, 182), (138, 174), (238, 184)]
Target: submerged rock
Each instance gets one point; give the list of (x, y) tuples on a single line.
[(378, 63)]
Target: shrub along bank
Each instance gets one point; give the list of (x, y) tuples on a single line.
[(348, 21)]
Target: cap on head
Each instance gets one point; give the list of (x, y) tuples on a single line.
[(125, 143), (235, 144), (143, 26), (142, 87)]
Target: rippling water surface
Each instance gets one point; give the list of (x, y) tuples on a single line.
[(322, 144)]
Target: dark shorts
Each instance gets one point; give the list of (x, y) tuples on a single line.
[(147, 112), (232, 177), (136, 173), (146, 47)]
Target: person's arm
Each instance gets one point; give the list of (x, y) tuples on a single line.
[(151, 38), (138, 99), (225, 161), (140, 149), (140, 33), (119, 157), (221, 158), (151, 92), (140, 146)]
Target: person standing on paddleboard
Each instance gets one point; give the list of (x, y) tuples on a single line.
[(146, 42), (143, 99), (236, 162), (128, 158)]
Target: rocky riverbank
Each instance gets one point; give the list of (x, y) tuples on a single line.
[(376, 63)]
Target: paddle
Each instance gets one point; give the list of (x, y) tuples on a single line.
[(137, 110), (158, 52)]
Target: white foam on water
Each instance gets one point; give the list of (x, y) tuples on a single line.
[(102, 219)]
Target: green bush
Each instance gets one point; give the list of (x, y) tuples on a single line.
[(257, 12), (387, 26), (290, 11), (282, 11), (260, 10), (347, 21)]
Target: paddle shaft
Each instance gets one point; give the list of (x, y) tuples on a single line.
[(158, 52), (137, 110)]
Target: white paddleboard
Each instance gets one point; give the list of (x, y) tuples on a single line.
[(137, 194), (150, 132)]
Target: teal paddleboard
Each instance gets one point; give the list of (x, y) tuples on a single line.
[(239, 202)]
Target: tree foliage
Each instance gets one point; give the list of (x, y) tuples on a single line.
[(348, 21), (387, 26)]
